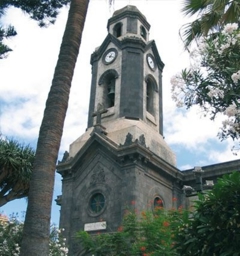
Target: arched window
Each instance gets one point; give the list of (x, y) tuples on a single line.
[(117, 30), (143, 32), (149, 98), (110, 92), (151, 88), (107, 81), (158, 203)]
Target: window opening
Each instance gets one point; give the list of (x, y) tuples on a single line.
[(117, 31), (107, 83), (149, 97), (158, 202), (111, 92), (97, 203), (143, 32)]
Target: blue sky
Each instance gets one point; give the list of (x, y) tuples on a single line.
[(27, 73)]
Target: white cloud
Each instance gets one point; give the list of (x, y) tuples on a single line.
[(224, 155), (189, 127), (27, 73)]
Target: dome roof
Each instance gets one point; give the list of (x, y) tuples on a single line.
[(128, 11), (128, 8)]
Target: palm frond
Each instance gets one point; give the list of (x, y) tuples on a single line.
[(212, 15), (16, 165), (210, 21), (191, 7), (190, 32), (232, 13), (16, 158)]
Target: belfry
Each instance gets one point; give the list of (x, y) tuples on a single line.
[(122, 157)]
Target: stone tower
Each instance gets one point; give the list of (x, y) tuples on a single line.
[(122, 159)]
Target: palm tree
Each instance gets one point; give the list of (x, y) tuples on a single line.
[(37, 222), (16, 163), (212, 15)]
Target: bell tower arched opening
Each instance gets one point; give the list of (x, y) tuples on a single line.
[(151, 88), (123, 137), (143, 32), (150, 98), (108, 81), (117, 30), (109, 95)]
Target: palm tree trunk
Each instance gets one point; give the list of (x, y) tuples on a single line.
[(37, 223)]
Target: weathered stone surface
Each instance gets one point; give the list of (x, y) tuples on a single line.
[(117, 131), (122, 160)]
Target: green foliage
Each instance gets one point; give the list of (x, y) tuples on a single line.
[(213, 79), (16, 164), (211, 15), (214, 228), (11, 236), (151, 234), (57, 243), (43, 11), (5, 33)]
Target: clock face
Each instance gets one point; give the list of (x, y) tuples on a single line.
[(151, 62), (110, 56)]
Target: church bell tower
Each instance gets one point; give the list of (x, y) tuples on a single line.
[(127, 72), (122, 157)]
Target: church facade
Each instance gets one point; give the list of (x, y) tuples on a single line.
[(122, 160)]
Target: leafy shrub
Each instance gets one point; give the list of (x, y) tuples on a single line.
[(214, 228), (148, 234), (11, 237)]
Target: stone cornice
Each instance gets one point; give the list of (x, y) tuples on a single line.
[(128, 11), (133, 153)]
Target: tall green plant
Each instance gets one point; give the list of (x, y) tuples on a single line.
[(149, 234), (16, 164), (11, 231), (214, 227), (213, 79), (37, 222), (210, 16)]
